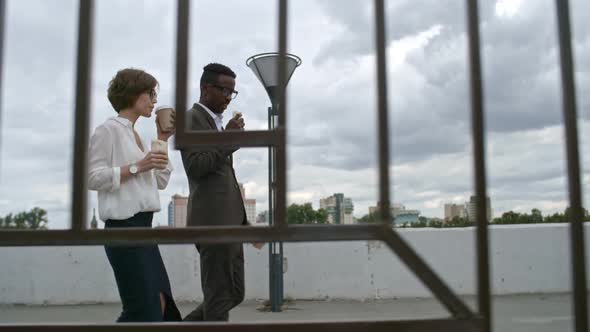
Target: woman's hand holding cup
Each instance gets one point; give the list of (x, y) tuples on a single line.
[(153, 160)]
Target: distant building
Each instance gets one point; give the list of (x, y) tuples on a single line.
[(170, 214), (472, 208), (406, 217), (340, 209), (394, 208), (249, 205), (177, 211), (455, 210), (94, 222), (399, 213), (262, 218), (178, 205)]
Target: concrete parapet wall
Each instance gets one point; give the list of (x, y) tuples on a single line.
[(525, 259)]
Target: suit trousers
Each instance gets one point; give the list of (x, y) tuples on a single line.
[(222, 281)]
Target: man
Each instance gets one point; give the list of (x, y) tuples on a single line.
[(215, 197)]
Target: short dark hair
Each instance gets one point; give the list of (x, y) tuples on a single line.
[(212, 71), (127, 85)]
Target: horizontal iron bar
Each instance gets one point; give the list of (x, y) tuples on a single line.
[(438, 325), (220, 234), (247, 138)]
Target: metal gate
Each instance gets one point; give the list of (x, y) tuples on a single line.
[(463, 319)]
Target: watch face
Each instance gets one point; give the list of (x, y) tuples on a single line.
[(133, 169)]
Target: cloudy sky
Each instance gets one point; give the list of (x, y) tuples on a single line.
[(332, 111)]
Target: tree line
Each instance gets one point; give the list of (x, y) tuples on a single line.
[(305, 214), (507, 218), (33, 219)]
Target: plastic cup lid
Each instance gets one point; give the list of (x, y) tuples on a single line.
[(159, 108)]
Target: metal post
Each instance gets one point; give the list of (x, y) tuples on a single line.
[(477, 126), (383, 122), (181, 72), (573, 167), (82, 118), (2, 19), (275, 248)]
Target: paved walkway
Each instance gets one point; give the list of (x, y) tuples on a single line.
[(535, 313)]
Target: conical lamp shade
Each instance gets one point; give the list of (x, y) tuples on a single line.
[(266, 66)]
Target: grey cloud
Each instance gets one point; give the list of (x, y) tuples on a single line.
[(403, 17), (332, 114)]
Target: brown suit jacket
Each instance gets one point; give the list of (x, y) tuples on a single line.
[(215, 197)]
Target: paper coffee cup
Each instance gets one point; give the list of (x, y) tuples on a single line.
[(164, 117), (159, 146), (236, 114)]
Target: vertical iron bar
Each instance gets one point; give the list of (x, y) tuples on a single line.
[(271, 193), (182, 52), (82, 116), (270, 172), (281, 276), (382, 122), (2, 20), (573, 164), (477, 126), (280, 149)]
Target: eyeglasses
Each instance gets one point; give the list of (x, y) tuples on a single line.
[(152, 94), (227, 92)]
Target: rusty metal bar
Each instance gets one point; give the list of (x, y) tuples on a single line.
[(429, 325), (423, 272), (250, 138), (573, 166), (82, 118), (280, 219), (219, 234), (382, 119), (477, 127), (182, 65)]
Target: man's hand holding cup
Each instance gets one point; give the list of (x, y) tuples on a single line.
[(236, 122)]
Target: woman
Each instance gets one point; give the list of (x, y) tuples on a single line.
[(127, 177)]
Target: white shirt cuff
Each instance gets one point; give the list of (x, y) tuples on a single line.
[(116, 178)]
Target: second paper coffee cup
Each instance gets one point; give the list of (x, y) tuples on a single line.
[(164, 117), (159, 146)]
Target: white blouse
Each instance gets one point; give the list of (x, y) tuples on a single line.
[(112, 146)]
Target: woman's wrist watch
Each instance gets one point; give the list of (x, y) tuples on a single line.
[(133, 169)]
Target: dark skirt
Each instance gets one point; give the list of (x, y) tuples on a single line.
[(141, 277)]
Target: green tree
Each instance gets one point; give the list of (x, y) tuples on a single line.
[(368, 218), (554, 218), (510, 217), (305, 214), (536, 216), (566, 215), (34, 219), (458, 222), (435, 223), (321, 216), (419, 224), (7, 222)]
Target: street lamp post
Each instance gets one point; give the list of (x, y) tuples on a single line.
[(265, 66)]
